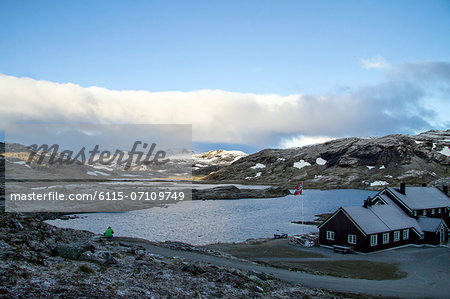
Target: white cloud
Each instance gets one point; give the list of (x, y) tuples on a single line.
[(300, 141), (260, 120), (376, 62)]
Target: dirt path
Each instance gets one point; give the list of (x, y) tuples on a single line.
[(419, 285)]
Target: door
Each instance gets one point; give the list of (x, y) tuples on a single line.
[(442, 233)]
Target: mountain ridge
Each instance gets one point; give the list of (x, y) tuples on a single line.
[(352, 162)]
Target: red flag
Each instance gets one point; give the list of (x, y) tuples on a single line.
[(299, 189)]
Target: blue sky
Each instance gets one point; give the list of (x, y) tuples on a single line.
[(315, 48)]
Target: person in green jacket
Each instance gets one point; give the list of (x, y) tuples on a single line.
[(109, 233)]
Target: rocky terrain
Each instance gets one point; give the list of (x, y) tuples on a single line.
[(348, 163), (42, 261), (232, 192), (363, 163), (179, 164)]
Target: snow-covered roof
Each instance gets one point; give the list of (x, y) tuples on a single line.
[(418, 198), (381, 218), (429, 224)]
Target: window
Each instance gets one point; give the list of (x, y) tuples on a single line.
[(397, 236), (424, 212), (439, 211), (385, 238), (415, 213), (432, 211), (351, 239), (406, 234), (373, 240), (330, 235)]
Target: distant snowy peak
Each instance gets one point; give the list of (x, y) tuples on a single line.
[(218, 157)]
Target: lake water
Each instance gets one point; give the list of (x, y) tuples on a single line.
[(211, 221)]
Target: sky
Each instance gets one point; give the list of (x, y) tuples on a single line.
[(247, 75)]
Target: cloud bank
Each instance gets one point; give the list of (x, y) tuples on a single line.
[(411, 98)]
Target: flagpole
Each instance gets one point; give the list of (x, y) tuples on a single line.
[(303, 225), (299, 191)]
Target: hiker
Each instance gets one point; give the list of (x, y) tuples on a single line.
[(109, 233)]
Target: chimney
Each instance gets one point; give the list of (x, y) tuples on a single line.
[(402, 188), (445, 189), (367, 202)]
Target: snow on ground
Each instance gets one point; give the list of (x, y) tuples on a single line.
[(370, 167), (434, 145), (132, 175), (281, 159), (382, 167), (104, 167), (302, 163), (379, 183), (318, 177), (96, 172), (258, 165), (252, 177), (418, 142), (21, 163), (321, 161), (412, 172), (445, 151)]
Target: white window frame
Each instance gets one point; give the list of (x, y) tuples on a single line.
[(415, 213), (351, 239), (405, 234), (385, 238), (439, 211), (330, 235), (396, 236), (424, 212), (433, 211), (373, 240)]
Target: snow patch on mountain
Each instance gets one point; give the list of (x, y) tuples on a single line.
[(23, 163), (445, 151), (379, 183), (96, 173), (258, 165), (301, 164), (320, 161), (258, 174)]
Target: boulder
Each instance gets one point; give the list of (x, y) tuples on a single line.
[(72, 251)]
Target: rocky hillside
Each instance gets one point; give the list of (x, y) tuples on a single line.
[(42, 261), (348, 163)]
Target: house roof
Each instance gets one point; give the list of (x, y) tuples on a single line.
[(390, 202), (429, 224), (381, 218), (418, 198)]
